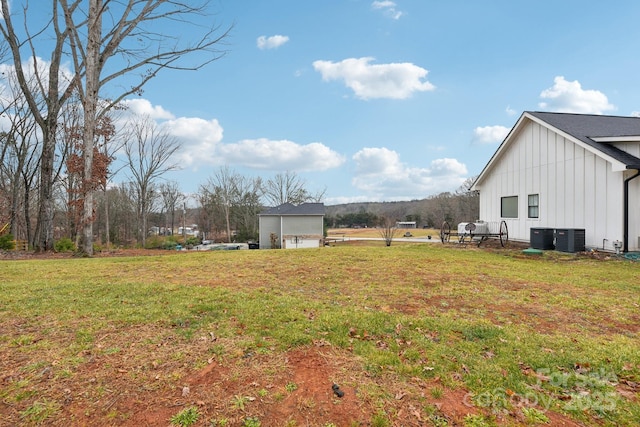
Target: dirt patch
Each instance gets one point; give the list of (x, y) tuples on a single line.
[(143, 376)]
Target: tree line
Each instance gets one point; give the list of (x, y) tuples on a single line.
[(65, 133), (461, 205), (68, 74)]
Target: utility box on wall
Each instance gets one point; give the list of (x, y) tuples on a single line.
[(541, 238), (570, 239)]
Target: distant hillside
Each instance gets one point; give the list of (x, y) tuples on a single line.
[(377, 208), (430, 212)]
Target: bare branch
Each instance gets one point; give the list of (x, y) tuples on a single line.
[(149, 152)]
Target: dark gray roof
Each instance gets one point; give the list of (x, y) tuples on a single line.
[(585, 127), (291, 209)]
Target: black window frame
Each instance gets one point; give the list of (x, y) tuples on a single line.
[(510, 210), (533, 209)]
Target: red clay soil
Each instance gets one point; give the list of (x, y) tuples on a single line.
[(278, 389), (292, 389)]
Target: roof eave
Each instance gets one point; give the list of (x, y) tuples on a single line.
[(477, 183), (616, 165)]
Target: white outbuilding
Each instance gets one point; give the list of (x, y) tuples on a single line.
[(290, 226), (567, 172)]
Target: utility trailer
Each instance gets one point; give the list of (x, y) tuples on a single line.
[(479, 232)]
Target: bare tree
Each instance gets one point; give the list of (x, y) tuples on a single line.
[(223, 185), (247, 207), (110, 146), (122, 213), (92, 51), (44, 98), (468, 201), (77, 184), (171, 198), (211, 211), (19, 157), (236, 198), (90, 35), (387, 229), (288, 187), (148, 151), (442, 207)]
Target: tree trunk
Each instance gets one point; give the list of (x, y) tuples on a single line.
[(143, 219), (89, 102), (46, 210), (15, 195), (106, 219), (27, 217), (228, 222)]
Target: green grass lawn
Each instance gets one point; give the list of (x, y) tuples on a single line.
[(521, 338)]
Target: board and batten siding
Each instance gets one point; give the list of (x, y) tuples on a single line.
[(292, 231), (576, 188), (306, 230), (268, 225), (292, 225)]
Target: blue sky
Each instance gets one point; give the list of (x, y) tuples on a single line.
[(390, 100)]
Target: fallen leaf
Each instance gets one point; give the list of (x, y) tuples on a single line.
[(400, 395)]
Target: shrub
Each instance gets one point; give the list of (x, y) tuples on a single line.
[(64, 245), (154, 242), (170, 243), (185, 418), (193, 241), (7, 243)]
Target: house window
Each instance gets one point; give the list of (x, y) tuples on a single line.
[(534, 205), (509, 207)]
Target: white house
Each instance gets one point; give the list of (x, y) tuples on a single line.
[(575, 171), (292, 227)]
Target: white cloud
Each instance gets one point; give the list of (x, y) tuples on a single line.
[(635, 114), (202, 145), (199, 138), (143, 107), (9, 78), (569, 97), (394, 80), (381, 174), (268, 154), (510, 111), (388, 7), (490, 134), (271, 42)]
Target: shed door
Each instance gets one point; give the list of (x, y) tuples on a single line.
[(300, 242)]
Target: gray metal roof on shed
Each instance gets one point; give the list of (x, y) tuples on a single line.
[(587, 128), (291, 209)]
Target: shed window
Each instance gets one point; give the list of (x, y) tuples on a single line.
[(534, 206), (509, 207)]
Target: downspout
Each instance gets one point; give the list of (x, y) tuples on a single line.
[(625, 237)]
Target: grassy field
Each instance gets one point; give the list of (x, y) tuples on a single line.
[(412, 334), (375, 232)]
